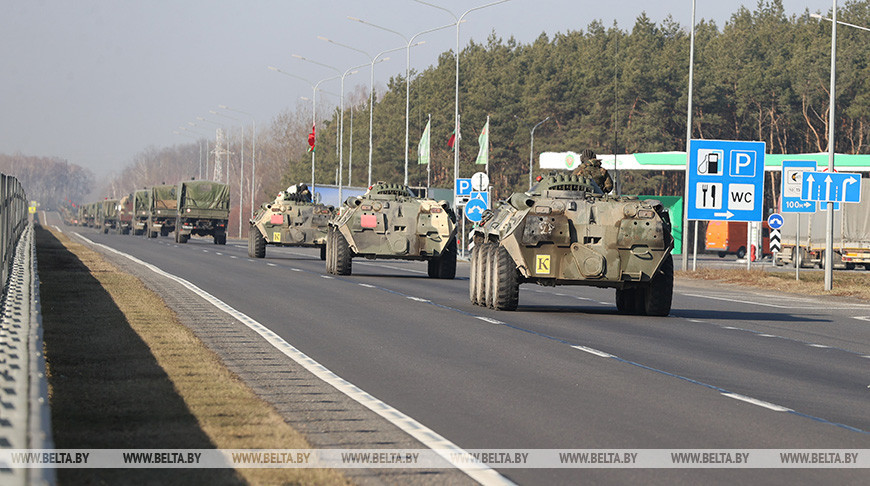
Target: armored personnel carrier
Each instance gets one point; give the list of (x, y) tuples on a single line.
[(292, 219), (565, 231), (390, 222)]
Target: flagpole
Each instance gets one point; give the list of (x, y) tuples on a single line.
[(428, 162), (486, 168)]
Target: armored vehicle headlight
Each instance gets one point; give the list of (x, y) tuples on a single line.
[(435, 210), (558, 207), (542, 210), (645, 213), (377, 206), (630, 211), (366, 207)]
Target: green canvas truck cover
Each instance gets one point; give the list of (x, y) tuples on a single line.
[(203, 195), (162, 197)]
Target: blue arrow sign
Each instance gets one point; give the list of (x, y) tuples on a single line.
[(474, 210), (792, 180), (726, 180), (775, 221), (831, 186)]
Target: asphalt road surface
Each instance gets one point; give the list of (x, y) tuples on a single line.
[(731, 368)]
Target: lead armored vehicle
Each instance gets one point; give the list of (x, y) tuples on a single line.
[(565, 231), (390, 222), (292, 219)]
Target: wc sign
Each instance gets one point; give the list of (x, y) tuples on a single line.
[(726, 180)]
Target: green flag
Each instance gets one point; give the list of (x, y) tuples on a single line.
[(423, 148), (483, 140)]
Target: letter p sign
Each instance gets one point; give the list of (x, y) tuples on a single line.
[(742, 163)]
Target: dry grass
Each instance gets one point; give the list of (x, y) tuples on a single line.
[(845, 284), (123, 373)]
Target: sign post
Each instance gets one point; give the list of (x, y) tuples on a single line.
[(792, 181)]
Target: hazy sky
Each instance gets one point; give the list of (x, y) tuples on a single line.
[(95, 82)]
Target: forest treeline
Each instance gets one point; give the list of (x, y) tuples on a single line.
[(764, 75), (51, 181)]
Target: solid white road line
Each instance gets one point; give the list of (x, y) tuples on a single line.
[(760, 403), (443, 447)]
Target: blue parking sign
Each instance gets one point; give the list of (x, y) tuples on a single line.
[(726, 180)]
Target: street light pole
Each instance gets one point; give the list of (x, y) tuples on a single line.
[(829, 226), (458, 22), (685, 231), (532, 145), (407, 75), (314, 88), (253, 149)]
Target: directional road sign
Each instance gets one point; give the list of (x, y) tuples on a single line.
[(477, 203), (831, 186), (792, 181), (726, 180), (774, 221)]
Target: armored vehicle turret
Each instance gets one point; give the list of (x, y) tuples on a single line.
[(292, 219), (564, 231), (390, 222)]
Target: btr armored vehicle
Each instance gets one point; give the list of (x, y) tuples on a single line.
[(390, 222), (292, 219), (162, 210), (203, 210), (565, 231)]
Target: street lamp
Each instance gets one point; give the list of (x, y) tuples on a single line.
[(314, 88), (458, 22), (253, 149), (407, 74), (531, 145), (348, 72), (374, 60), (829, 224)]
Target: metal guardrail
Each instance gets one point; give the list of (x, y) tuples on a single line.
[(25, 421)]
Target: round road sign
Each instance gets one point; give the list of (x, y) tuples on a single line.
[(775, 221)]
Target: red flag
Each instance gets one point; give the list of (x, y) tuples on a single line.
[(311, 139), (451, 141)]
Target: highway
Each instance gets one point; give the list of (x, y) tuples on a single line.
[(730, 368)]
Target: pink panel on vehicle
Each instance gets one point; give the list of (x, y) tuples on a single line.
[(368, 221), (277, 219)]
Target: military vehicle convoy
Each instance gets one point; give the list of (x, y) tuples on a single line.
[(292, 219), (203, 209), (162, 208), (565, 231), (140, 212), (390, 222)]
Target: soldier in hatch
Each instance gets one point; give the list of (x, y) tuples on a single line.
[(590, 168)]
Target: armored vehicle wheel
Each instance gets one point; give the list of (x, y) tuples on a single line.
[(505, 284), (256, 243), (152, 234), (183, 238), (444, 266), (660, 292), (487, 274), (330, 250), (473, 278), (323, 252), (105, 230), (343, 255)]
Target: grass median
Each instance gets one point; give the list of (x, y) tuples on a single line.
[(123, 373), (845, 284)]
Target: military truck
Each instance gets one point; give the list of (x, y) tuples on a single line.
[(203, 210), (125, 214), (107, 216), (140, 212), (292, 219), (390, 222), (565, 231), (162, 210), (91, 212)]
